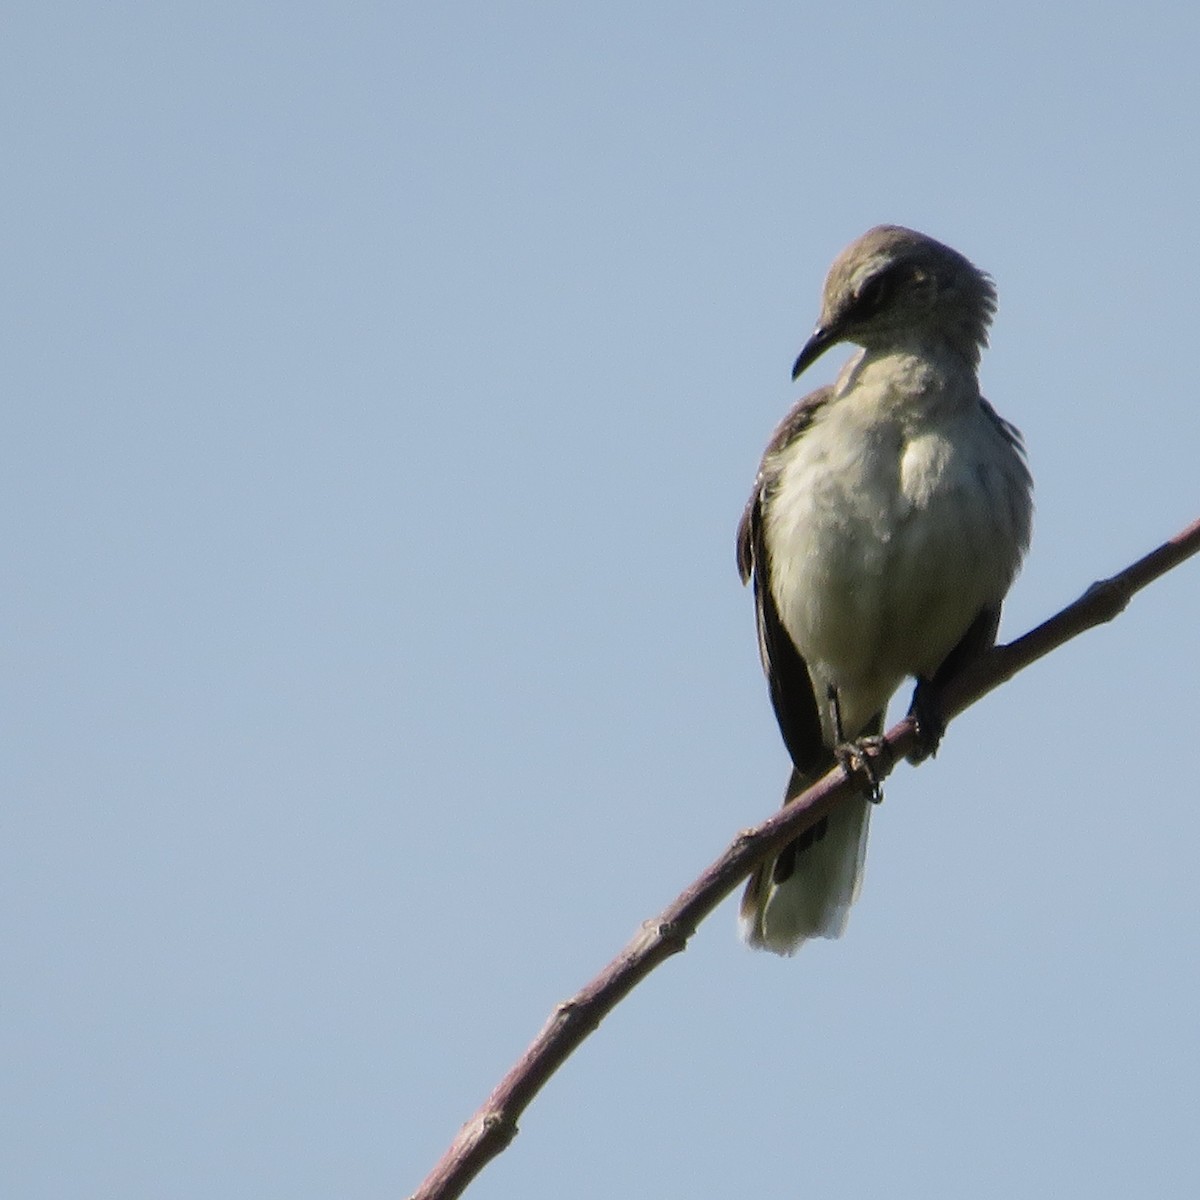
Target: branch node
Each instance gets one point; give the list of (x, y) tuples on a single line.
[(1110, 596), (565, 1012), (674, 934), (497, 1126)]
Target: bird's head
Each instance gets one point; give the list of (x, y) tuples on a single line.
[(894, 285)]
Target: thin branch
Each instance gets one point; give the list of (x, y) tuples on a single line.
[(495, 1125)]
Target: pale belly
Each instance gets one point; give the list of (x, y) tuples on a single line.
[(884, 550)]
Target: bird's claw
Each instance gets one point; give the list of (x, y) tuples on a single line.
[(855, 759), (926, 712)]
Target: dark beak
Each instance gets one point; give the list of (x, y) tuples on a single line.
[(816, 345)]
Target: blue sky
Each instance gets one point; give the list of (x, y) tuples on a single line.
[(383, 385)]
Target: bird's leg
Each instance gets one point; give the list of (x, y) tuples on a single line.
[(854, 757), (926, 711), (926, 708)]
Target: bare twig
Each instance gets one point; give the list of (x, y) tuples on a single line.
[(495, 1124)]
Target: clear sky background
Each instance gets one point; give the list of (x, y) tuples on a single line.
[(382, 386)]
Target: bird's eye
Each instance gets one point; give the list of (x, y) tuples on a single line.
[(875, 293)]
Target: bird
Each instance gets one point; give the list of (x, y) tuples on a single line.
[(889, 517)]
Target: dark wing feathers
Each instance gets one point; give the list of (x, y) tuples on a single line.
[(798, 419), (787, 673)]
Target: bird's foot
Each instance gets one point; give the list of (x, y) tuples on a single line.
[(855, 759), (926, 712)]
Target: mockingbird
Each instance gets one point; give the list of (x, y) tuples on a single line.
[(888, 520)]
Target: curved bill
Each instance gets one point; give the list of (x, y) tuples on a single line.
[(816, 345)]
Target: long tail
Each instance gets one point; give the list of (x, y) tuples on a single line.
[(807, 889)]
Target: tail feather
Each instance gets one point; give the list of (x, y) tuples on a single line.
[(807, 889)]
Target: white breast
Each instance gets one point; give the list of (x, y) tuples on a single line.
[(893, 520)]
